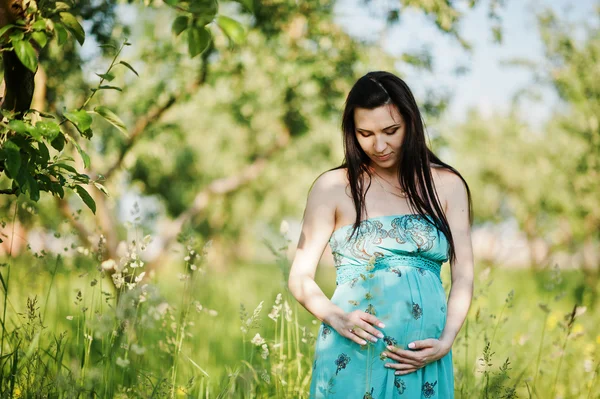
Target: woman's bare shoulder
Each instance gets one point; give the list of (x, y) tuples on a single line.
[(331, 180), (446, 181)]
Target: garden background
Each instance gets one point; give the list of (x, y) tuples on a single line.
[(156, 156)]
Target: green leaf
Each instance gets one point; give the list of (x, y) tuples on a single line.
[(26, 54), (86, 197), (49, 130), (73, 26), (65, 166), (18, 126), (198, 40), (81, 119), (249, 4), (101, 188), (180, 24), (15, 37), (107, 45), (34, 132), (13, 158), (61, 33), (112, 118), (5, 29), (128, 66), (106, 76), (105, 87), (59, 142), (40, 38), (33, 188), (39, 25), (232, 28), (57, 189), (84, 156), (62, 6), (44, 154)]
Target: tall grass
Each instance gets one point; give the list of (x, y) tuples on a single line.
[(86, 326)]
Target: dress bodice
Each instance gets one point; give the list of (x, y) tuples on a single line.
[(382, 241)]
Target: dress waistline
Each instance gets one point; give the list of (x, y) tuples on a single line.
[(349, 272)]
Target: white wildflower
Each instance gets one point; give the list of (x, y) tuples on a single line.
[(118, 280), (138, 350), (284, 227), (287, 311), (258, 340), (265, 351), (69, 317), (213, 312), (122, 362), (274, 315), (108, 264), (140, 277)]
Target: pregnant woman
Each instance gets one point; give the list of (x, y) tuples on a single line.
[(392, 213)]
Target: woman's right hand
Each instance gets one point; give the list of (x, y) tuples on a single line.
[(358, 326)]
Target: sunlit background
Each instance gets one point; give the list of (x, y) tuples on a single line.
[(207, 128)]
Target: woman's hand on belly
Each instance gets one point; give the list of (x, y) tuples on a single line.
[(358, 326), (424, 352)]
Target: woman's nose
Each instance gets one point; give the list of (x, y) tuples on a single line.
[(380, 144)]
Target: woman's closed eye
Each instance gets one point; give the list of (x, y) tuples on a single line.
[(389, 133)]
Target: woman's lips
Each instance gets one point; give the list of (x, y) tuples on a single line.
[(384, 158)]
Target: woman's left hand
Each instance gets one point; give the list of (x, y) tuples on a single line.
[(423, 352)]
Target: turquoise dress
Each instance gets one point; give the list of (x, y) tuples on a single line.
[(391, 269)]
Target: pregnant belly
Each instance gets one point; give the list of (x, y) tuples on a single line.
[(410, 301)]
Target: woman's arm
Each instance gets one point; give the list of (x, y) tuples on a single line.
[(317, 226), (461, 291)]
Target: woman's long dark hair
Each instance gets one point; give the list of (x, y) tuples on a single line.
[(374, 90)]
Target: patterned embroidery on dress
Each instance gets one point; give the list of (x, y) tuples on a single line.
[(428, 390), (443, 308), (341, 362), (371, 310), (416, 311), (335, 250), (397, 271), (399, 384), (389, 340), (421, 271), (369, 232), (413, 228), (369, 395), (326, 331)]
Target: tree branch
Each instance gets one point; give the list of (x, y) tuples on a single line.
[(153, 115), (218, 187)]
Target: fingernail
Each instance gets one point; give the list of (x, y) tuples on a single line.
[(381, 325), (380, 335), (364, 342), (383, 354), (389, 347), (397, 373), (411, 345)]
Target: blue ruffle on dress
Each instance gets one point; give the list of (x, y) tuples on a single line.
[(391, 269)]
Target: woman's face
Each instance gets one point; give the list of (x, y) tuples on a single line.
[(380, 132)]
